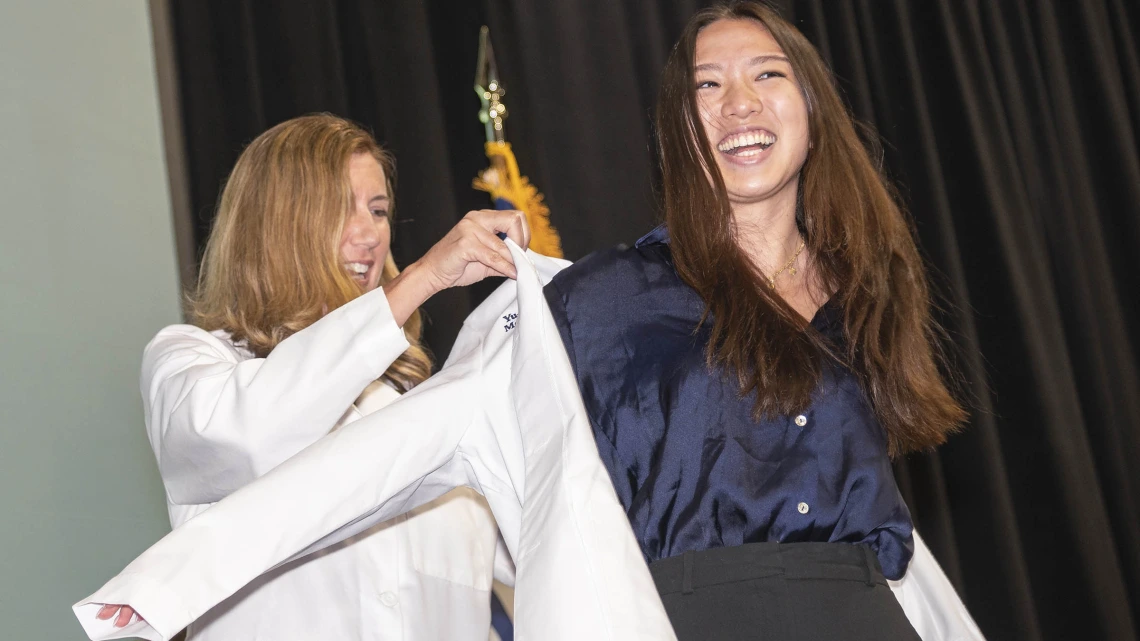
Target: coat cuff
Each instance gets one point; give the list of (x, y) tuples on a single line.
[(380, 340), (162, 616)]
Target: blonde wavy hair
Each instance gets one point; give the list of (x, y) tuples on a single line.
[(272, 264)]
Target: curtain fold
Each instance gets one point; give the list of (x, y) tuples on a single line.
[(1012, 128)]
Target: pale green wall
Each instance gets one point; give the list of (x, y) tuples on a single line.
[(87, 275)]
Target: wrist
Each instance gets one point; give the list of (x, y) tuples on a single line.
[(408, 291)]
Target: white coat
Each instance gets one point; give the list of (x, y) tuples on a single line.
[(218, 418), (504, 417)]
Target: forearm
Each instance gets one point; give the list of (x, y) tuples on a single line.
[(408, 291)]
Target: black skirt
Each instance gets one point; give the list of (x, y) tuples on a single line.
[(780, 592)]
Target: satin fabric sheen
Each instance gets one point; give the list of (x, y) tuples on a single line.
[(692, 468)]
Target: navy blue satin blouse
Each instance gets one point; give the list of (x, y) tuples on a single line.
[(691, 467)]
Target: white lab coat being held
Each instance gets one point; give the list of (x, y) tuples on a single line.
[(218, 418), (504, 417)]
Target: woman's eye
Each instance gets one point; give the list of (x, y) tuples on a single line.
[(770, 74), (380, 213), (707, 84)]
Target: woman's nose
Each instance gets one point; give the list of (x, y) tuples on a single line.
[(741, 101), (362, 230)]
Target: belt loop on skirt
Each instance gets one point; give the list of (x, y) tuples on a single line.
[(868, 554), (785, 624), (687, 576)]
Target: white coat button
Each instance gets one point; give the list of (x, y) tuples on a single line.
[(803, 507), (801, 420), (389, 599)]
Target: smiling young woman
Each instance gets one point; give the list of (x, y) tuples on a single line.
[(737, 212), (750, 367)]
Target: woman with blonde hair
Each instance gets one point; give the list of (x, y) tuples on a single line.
[(302, 323)]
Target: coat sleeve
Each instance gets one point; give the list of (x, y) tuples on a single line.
[(367, 472), (930, 601), (217, 422)]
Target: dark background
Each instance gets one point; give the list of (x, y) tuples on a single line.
[(1011, 127)]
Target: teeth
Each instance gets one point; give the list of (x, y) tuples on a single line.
[(747, 139), (358, 268)]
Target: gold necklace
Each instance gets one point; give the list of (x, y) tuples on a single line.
[(787, 267)]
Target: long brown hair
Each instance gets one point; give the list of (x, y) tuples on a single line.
[(272, 266), (860, 239)]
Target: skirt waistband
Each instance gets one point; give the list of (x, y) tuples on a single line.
[(791, 561)]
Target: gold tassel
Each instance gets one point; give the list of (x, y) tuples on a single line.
[(517, 189)]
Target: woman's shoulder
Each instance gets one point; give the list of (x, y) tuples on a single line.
[(189, 340), (617, 271)]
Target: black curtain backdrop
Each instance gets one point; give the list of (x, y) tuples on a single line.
[(1011, 127)]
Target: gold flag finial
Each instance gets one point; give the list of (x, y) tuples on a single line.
[(490, 89)]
